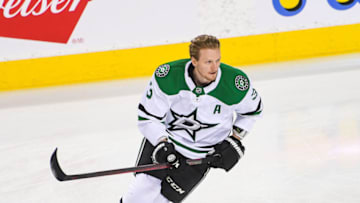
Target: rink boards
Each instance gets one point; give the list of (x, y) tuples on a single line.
[(131, 38)]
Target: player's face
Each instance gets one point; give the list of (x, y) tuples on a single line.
[(206, 68)]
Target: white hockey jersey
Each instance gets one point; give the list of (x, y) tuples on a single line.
[(196, 118)]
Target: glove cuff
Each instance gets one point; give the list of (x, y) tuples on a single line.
[(236, 144), (164, 152), (156, 150)]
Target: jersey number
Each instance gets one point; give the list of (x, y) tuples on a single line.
[(149, 93), (254, 94)]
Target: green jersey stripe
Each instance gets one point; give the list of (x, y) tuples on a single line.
[(142, 118), (256, 112), (142, 108)]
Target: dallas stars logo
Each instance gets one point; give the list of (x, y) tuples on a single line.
[(189, 123)]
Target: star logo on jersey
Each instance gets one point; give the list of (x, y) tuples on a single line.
[(188, 123)]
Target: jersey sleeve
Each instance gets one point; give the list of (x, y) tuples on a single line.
[(152, 111), (248, 110)]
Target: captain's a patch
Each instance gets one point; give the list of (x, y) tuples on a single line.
[(162, 70), (241, 83)]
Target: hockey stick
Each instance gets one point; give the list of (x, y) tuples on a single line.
[(60, 175)]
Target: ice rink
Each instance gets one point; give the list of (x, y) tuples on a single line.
[(305, 149)]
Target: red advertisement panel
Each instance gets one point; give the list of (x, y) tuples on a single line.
[(44, 20)]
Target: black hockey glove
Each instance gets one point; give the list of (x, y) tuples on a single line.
[(165, 152), (227, 153)]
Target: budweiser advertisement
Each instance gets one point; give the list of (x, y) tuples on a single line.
[(44, 20)]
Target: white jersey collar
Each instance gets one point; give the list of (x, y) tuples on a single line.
[(190, 83)]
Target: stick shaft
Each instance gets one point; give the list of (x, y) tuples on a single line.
[(61, 176)]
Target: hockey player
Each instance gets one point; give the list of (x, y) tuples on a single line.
[(192, 108)]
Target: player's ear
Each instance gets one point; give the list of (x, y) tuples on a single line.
[(194, 61)]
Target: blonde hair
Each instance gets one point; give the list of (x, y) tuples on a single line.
[(203, 42)]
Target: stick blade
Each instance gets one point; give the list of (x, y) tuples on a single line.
[(55, 168)]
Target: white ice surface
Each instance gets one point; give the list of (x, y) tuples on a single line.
[(306, 149)]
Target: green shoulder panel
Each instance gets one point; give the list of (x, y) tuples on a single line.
[(170, 77), (233, 85)]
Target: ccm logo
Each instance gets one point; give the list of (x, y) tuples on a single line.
[(44, 20), (174, 186)]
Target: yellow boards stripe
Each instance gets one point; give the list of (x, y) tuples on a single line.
[(129, 63)]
